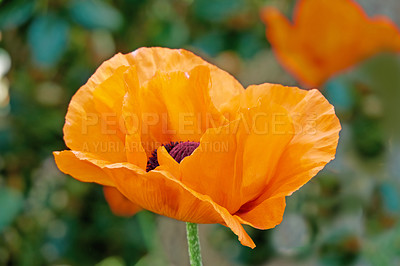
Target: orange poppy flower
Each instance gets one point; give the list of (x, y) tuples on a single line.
[(165, 131), (327, 37)]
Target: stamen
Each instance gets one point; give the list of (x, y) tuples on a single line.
[(183, 149), (177, 150)]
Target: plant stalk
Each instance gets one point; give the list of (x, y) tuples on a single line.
[(193, 244)]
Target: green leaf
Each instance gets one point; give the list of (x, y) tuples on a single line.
[(171, 34), (381, 75), (217, 10), (211, 43), (94, 14), (111, 261), (15, 14), (11, 202), (338, 92), (47, 37)]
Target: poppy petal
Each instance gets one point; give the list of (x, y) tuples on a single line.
[(108, 98), (315, 140), (118, 203), (111, 91), (187, 103), (135, 152), (158, 59), (160, 192), (264, 215), (173, 107), (212, 166), (86, 128), (131, 114), (243, 155), (168, 163), (86, 168), (83, 167), (84, 125), (313, 60)]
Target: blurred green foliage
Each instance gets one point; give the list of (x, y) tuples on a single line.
[(347, 215)]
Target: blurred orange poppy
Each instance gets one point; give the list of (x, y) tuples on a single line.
[(327, 37), (165, 131)]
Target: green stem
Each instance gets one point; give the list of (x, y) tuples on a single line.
[(194, 244)]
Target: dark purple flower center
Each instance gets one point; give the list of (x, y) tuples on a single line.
[(177, 150)]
